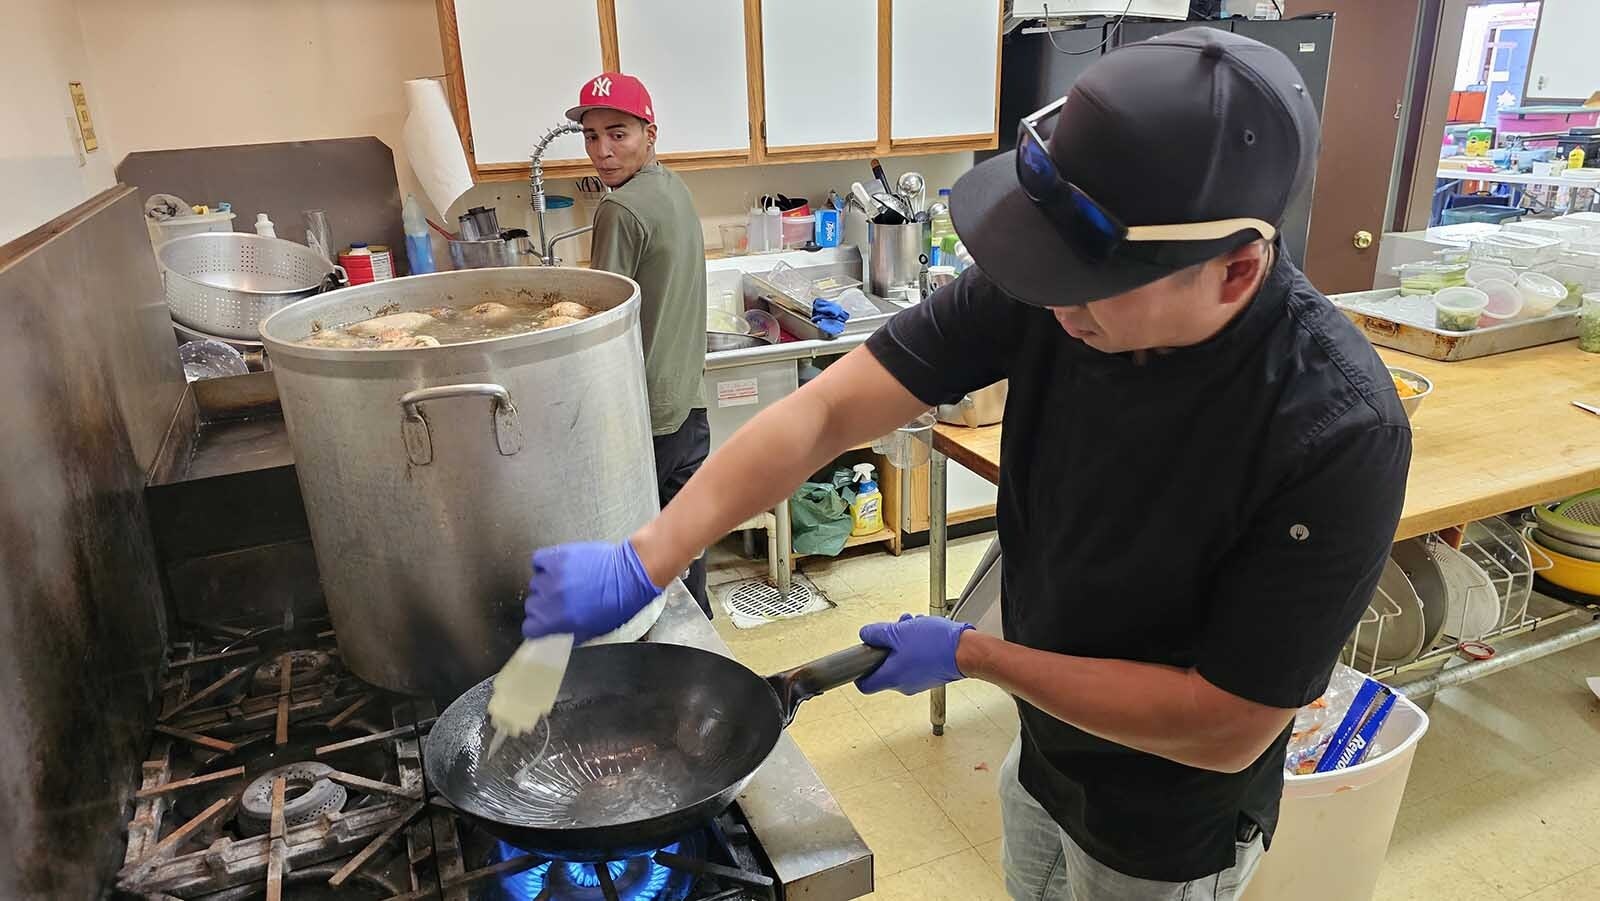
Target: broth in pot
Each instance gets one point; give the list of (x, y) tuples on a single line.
[(441, 325)]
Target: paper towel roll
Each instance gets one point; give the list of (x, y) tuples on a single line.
[(433, 145)]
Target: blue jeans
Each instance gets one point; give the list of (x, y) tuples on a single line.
[(1043, 864)]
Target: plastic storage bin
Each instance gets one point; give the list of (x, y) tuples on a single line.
[(1334, 828), (1517, 251)]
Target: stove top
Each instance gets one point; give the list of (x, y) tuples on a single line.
[(274, 773)]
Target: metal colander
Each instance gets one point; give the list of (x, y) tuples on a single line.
[(225, 283), (1576, 520)]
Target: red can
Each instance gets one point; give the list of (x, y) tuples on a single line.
[(375, 265)]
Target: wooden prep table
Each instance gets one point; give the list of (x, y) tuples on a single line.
[(1497, 434)]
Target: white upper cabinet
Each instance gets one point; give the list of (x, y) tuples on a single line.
[(690, 54), (523, 64), (821, 72), (945, 66)]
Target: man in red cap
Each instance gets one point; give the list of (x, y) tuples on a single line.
[(646, 228)]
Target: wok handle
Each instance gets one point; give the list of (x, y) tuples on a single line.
[(811, 679)]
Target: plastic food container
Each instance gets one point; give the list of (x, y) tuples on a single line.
[(1458, 309), (1504, 302), (798, 230), (1540, 294), (1516, 250), (1589, 328), (735, 239), (1484, 272), (1430, 276), (1577, 278)]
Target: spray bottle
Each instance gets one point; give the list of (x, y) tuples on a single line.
[(866, 511)]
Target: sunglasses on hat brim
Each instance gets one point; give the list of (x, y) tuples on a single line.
[(1085, 222)]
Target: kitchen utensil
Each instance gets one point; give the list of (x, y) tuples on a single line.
[(1422, 383), (893, 204), (1552, 523), (863, 197), (1505, 556), (225, 283), (914, 189), (210, 359), (1397, 636), (1581, 514), (735, 239), (896, 255), (1571, 549), (877, 172), (720, 341), (645, 742), (428, 474), (910, 445), (488, 253), (1419, 559), (479, 223), (763, 323), (1567, 570), (1473, 608), (1588, 408), (985, 406)]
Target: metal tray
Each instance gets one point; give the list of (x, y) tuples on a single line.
[(1390, 319), (773, 301)]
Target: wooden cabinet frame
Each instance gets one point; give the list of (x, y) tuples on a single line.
[(885, 145)]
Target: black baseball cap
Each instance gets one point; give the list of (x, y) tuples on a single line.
[(1199, 127)]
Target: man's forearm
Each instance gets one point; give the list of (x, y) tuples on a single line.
[(1162, 710), (761, 464)]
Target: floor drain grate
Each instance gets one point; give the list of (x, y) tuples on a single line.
[(755, 602)]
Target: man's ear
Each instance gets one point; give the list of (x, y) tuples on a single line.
[(650, 134), (1244, 268)]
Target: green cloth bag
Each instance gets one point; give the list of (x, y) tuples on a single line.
[(819, 519)]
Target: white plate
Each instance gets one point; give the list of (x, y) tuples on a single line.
[(1474, 606)]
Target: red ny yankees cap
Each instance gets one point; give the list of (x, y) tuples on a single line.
[(614, 90)]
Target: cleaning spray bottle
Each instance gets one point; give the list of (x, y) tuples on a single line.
[(866, 511)]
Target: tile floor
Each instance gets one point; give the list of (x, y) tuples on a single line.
[(1503, 800)]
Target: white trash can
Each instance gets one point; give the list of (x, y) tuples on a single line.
[(1333, 828)]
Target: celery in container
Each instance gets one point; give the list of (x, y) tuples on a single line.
[(1430, 276)]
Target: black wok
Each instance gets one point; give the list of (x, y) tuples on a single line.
[(646, 742)]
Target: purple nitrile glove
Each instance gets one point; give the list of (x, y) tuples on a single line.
[(922, 654), (585, 590)]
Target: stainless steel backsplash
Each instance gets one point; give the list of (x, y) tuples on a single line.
[(89, 381)]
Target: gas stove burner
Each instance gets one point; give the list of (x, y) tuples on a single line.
[(304, 666), (635, 879), (308, 794)]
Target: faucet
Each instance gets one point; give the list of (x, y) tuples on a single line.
[(547, 246)]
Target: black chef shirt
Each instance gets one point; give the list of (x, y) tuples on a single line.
[(1227, 507)]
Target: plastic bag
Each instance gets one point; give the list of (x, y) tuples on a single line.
[(1315, 723), (819, 518)]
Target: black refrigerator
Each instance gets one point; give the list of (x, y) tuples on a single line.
[(1037, 66)]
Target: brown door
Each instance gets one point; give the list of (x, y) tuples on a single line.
[(1360, 124)]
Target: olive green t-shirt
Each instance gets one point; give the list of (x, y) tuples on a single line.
[(648, 230)]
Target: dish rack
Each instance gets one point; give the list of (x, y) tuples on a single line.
[(1509, 569)]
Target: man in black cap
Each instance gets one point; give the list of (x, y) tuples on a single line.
[(1202, 469)]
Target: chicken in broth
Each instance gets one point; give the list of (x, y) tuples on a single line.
[(452, 324)]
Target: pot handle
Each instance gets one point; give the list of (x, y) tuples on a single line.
[(811, 679), (414, 425)]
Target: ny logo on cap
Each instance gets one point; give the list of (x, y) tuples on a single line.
[(601, 87)]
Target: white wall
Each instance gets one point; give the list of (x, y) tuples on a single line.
[(283, 70), (41, 49)]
